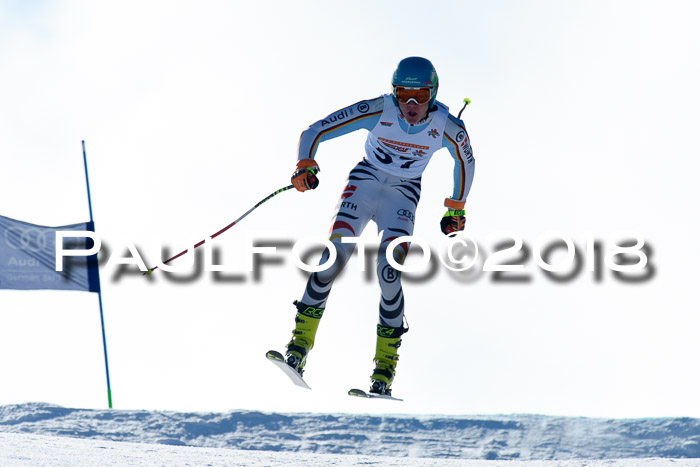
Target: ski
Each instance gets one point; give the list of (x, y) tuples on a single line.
[(369, 395), (278, 359)]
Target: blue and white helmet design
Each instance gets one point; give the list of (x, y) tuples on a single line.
[(416, 72)]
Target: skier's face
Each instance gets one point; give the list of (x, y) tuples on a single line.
[(414, 113)]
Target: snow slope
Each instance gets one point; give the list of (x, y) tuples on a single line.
[(522, 437), (56, 451)]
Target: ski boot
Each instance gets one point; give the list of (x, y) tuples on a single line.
[(385, 358), (306, 319)]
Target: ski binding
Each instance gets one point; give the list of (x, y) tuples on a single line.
[(369, 395), (278, 359)]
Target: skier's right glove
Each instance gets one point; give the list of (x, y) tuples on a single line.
[(304, 178)]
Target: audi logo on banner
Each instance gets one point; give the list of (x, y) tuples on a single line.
[(29, 239)]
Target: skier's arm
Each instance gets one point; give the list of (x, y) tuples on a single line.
[(362, 115), (456, 140)]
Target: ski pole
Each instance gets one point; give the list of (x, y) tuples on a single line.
[(466, 101), (150, 270)]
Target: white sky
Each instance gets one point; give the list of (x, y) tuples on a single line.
[(582, 120)]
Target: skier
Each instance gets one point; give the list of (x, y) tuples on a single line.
[(405, 128)]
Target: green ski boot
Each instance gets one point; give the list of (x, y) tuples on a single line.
[(307, 319), (385, 358)]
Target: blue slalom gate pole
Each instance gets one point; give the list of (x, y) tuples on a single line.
[(99, 293)]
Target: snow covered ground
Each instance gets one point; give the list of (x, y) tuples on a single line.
[(49, 435), (52, 451)]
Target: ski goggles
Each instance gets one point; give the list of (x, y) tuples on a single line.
[(418, 95)]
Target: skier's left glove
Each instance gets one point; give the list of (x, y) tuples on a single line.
[(304, 178), (453, 220)]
